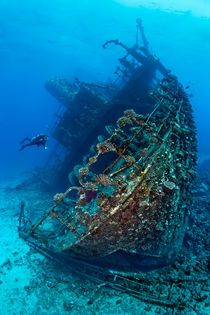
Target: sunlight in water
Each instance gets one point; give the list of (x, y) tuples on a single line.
[(196, 7)]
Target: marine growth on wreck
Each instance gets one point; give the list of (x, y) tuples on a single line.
[(130, 156)]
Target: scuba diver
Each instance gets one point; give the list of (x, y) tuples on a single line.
[(37, 140)]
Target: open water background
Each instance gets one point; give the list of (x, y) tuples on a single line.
[(40, 39)]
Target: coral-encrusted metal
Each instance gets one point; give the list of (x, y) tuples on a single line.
[(150, 181)]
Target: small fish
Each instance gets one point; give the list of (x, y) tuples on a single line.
[(190, 95)]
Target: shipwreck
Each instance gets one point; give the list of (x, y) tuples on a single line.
[(129, 160)]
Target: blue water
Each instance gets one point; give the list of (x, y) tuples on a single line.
[(42, 39)]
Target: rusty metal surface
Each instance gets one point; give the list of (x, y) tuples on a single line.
[(147, 210), (134, 187)]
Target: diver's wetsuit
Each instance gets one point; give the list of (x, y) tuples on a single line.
[(38, 140)]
